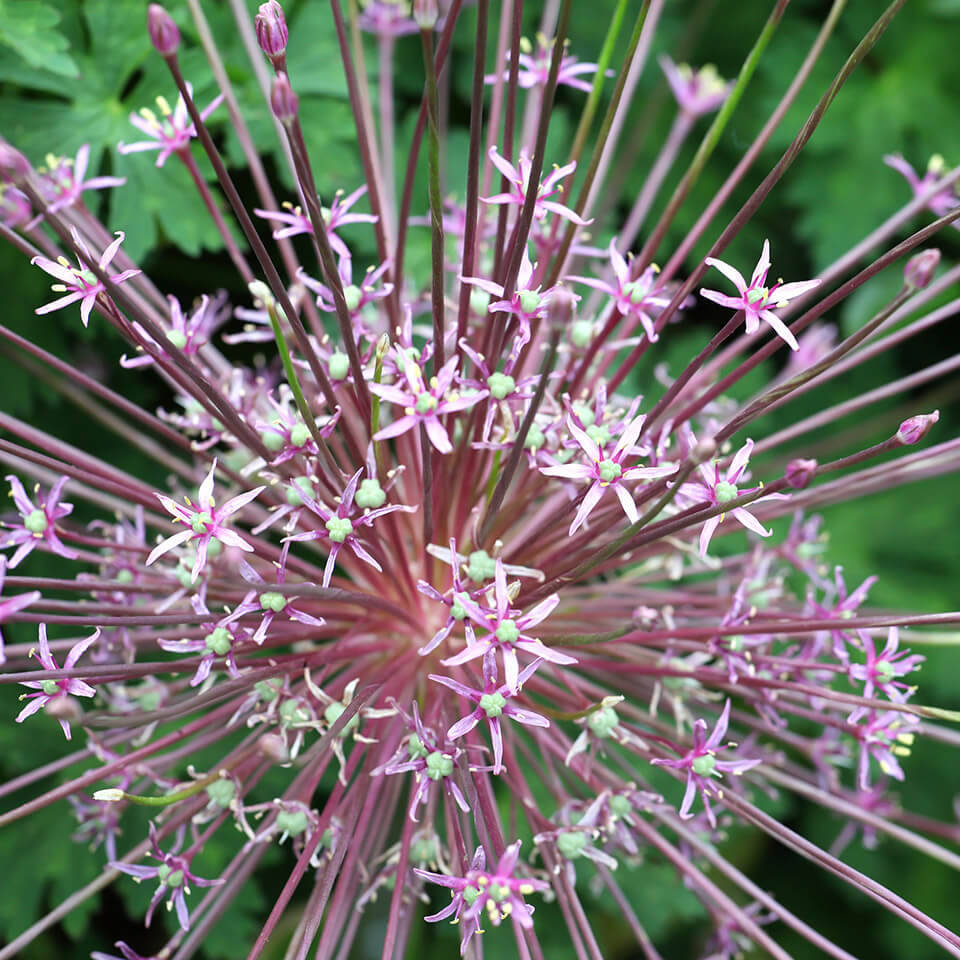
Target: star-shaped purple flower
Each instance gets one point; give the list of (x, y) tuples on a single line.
[(507, 632), (606, 471), (37, 522), (421, 402), (50, 690), (492, 703), (701, 764), (171, 132), (756, 298), (173, 875), (340, 525), (498, 892), (205, 522), (80, 283)]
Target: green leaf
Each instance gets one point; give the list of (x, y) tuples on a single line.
[(30, 30)]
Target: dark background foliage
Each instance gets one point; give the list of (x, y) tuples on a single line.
[(71, 72)]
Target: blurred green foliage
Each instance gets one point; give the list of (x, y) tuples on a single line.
[(72, 73)]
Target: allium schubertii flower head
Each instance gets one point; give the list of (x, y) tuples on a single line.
[(428, 589)]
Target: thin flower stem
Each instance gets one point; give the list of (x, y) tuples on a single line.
[(711, 138), (436, 200), (473, 169), (593, 98), (939, 934), (406, 196), (516, 452), (294, 382), (273, 278), (636, 52), (521, 229), (763, 190), (754, 150), (215, 215), (360, 106)]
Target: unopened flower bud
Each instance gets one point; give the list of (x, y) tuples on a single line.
[(920, 269), (272, 747), (271, 27), (164, 34), (800, 472), (13, 163), (383, 345), (561, 304), (704, 450), (426, 13), (283, 101), (64, 708), (260, 291), (109, 795), (914, 429)]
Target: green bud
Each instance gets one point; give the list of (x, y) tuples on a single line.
[(221, 792), (479, 300), (507, 632), (36, 521), (609, 470), (178, 338), (703, 766), (439, 765), (535, 438), (492, 704), (529, 300), (50, 687), (300, 435), (415, 747), (174, 879), (299, 485), (586, 415), (423, 849), (150, 699), (885, 671), (339, 366), (370, 495), (470, 895), (498, 892), (268, 690), (353, 295), (725, 492), (634, 292), (272, 441), (620, 806), (599, 433), (602, 722), (571, 845), (272, 601), (340, 528), (124, 576), (501, 385), (293, 822), (757, 296), (426, 403), (581, 333), (332, 714), (480, 566), (292, 712), (201, 521), (219, 642)]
